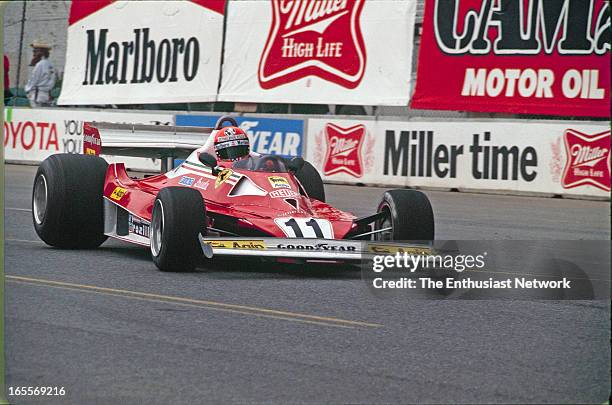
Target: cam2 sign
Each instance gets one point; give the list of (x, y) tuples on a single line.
[(143, 52), (526, 57), (267, 135), (570, 158)]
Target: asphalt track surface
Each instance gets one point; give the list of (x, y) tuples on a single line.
[(110, 328)]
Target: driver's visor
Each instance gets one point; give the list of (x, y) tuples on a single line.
[(231, 150)]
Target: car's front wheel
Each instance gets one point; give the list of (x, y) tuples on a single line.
[(407, 215), (179, 215)]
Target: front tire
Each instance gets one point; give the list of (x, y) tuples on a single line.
[(408, 216), (179, 215), (67, 203)]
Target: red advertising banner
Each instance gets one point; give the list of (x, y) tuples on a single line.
[(515, 56)]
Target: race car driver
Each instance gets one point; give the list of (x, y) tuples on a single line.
[(231, 144)]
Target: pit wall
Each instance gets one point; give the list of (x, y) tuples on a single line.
[(534, 157)]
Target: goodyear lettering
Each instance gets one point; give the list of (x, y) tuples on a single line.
[(319, 247)]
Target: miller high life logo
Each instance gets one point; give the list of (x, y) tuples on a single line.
[(314, 38), (344, 150), (588, 159)]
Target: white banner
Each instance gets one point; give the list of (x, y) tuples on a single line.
[(326, 52), (31, 135), (566, 158), (128, 52)]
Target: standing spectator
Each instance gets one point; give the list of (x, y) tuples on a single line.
[(7, 83), (43, 76)]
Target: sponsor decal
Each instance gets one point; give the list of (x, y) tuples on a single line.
[(318, 38), (587, 159), (318, 247), (186, 181), (138, 226), (91, 140), (283, 193), (202, 184), (268, 136), (237, 244), (118, 193), (223, 176), (392, 249), (278, 182)]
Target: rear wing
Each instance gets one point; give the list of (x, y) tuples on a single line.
[(148, 141)]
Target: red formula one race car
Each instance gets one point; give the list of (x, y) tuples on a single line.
[(222, 200)]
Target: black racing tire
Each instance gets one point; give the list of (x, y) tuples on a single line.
[(311, 180), (409, 213), (179, 215), (67, 202)]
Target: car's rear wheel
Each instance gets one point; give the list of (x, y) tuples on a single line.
[(407, 216), (311, 180), (179, 215), (67, 203)]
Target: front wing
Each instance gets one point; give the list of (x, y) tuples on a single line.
[(307, 249)]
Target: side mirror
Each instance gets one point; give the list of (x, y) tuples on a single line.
[(209, 160), (295, 164)]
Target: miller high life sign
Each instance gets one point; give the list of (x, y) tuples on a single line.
[(319, 38), (349, 52), (588, 159), (344, 150)]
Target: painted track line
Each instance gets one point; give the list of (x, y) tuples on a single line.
[(204, 304)]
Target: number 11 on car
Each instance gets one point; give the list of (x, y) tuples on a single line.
[(305, 227)]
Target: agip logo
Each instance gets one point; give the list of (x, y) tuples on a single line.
[(314, 38), (587, 159)]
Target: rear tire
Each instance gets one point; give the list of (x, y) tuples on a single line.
[(408, 213), (179, 215), (67, 203), (311, 180)]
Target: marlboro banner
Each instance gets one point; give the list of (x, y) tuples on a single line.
[(128, 52), (516, 56), (328, 52), (520, 156)]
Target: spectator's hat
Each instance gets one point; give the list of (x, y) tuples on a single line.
[(39, 44)]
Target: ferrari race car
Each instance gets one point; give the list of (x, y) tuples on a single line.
[(262, 206)]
